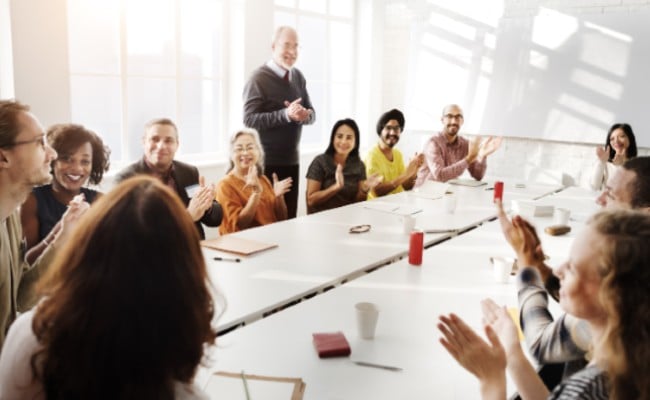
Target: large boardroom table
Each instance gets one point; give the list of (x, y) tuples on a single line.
[(316, 252), (455, 275)]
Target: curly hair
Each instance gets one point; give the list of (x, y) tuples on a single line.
[(625, 345), (67, 138), (128, 308)]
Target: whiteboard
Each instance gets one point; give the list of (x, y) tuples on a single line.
[(551, 76)]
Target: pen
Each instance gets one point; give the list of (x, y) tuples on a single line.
[(490, 188), (243, 378), (367, 364), (227, 259)]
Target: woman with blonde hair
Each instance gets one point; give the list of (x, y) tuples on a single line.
[(606, 283), (126, 310), (247, 197)]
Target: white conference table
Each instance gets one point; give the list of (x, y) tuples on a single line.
[(317, 252), (410, 299), (454, 277)]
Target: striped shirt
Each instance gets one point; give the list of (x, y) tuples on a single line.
[(588, 384), (564, 340), (445, 161)]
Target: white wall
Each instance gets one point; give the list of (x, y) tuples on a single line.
[(519, 158)]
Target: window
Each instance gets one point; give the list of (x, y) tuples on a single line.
[(327, 40), (132, 61)]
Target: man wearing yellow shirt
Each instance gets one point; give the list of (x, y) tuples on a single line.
[(384, 159)]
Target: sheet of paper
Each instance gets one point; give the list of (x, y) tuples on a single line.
[(431, 190), (392, 208)]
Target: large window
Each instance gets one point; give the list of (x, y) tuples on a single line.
[(327, 40), (131, 61)]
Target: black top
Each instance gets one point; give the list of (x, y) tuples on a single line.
[(49, 210)]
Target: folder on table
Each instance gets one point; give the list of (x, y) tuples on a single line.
[(231, 386), (237, 245)]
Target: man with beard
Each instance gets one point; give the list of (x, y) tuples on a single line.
[(386, 161), (447, 155), (160, 142), (277, 105), (25, 159)]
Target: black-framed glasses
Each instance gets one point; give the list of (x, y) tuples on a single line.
[(40, 139)]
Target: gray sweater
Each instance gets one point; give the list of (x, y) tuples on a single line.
[(264, 109)]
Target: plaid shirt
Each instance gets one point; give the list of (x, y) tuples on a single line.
[(445, 161), (565, 340)]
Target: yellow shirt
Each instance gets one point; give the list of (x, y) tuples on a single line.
[(377, 163)]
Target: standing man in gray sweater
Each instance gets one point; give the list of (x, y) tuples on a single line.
[(277, 105)]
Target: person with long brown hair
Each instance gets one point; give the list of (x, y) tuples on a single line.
[(127, 306), (606, 282)]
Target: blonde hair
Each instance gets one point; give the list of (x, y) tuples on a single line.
[(624, 348)]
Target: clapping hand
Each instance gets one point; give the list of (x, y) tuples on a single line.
[(489, 146), (202, 200), (414, 164), (338, 175), (281, 187), (373, 180), (487, 361), (602, 153), (296, 111), (498, 318), (70, 219), (523, 239)]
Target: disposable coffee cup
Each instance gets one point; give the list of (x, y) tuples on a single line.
[(449, 201), (501, 268), (367, 315), (561, 216), (408, 224)]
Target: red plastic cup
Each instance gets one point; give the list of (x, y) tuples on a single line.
[(498, 191), (416, 247)]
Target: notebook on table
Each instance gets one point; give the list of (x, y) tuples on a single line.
[(237, 245), (466, 182)]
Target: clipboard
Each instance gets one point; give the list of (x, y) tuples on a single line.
[(229, 385), (236, 245)]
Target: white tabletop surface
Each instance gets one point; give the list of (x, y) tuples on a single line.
[(317, 251)]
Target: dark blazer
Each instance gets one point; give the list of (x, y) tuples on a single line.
[(184, 175)]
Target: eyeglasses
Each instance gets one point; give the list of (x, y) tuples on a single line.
[(394, 128), (40, 139), (453, 116)]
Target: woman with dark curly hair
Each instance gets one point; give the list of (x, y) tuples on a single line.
[(82, 158), (126, 310)]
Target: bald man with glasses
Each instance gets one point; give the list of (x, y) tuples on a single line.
[(448, 156)]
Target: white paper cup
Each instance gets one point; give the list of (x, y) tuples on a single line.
[(501, 267), (408, 224), (561, 216), (367, 315), (449, 201)]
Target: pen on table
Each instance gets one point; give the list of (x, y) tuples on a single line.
[(243, 378), (367, 364), (489, 188), (226, 259)]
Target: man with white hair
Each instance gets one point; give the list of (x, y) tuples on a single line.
[(277, 105)]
